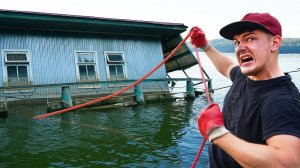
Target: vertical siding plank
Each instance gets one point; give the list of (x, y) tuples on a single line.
[(52, 55)]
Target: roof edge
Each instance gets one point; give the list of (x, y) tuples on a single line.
[(33, 13)]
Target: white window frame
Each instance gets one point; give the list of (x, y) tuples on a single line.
[(95, 63), (6, 63), (123, 63)]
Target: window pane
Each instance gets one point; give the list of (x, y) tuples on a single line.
[(120, 73), (23, 81), (83, 72), (22, 71), (85, 57), (12, 71), (23, 77), (112, 72), (91, 72), (16, 57), (115, 57), (12, 76)]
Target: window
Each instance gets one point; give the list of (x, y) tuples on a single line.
[(16, 68), (115, 66), (86, 69)]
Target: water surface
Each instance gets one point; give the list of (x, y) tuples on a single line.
[(156, 134)]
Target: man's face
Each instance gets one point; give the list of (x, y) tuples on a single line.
[(253, 50)]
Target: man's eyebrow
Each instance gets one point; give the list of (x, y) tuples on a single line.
[(246, 34)]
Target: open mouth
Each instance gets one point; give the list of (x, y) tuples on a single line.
[(246, 59)]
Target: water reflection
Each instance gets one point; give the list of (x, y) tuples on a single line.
[(161, 134), (148, 135)]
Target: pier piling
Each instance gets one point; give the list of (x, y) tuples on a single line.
[(139, 95), (66, 98), (190, 91)]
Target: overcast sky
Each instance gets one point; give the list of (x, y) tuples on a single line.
[(210, 15)]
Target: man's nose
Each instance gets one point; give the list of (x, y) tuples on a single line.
[(240, 48)]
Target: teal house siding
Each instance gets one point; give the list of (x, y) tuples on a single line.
[(41, 53), (53, 56)]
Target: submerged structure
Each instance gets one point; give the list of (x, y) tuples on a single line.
[(64, 60)]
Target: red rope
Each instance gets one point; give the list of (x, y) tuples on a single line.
[(138, 81), (202, 76), (199, 153), (209, 102), (120, 91)]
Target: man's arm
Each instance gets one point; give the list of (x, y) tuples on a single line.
[(222, 63), (280, 151)]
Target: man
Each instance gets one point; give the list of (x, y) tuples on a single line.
[(260, 126)]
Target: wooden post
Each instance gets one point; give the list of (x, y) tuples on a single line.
[(190, 91), (139, 95), (66, 98), (209, 86), (3, 110)]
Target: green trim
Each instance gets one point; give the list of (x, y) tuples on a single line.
[(183, 67), (102, 82), (57, 22), (175, 57)]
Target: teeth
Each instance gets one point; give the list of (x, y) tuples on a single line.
[(246, 57)]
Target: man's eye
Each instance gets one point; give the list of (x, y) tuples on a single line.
[(236, 43), (250, 39)]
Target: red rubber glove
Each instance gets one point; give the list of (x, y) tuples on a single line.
[(198, 38), (211, 123)]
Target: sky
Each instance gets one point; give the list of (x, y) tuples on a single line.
[(210, 15)]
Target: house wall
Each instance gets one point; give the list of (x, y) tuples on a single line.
[(53, 55)]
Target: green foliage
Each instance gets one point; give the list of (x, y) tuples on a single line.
[(290, 45)]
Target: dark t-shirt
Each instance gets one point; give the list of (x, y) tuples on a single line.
[(257, 110)]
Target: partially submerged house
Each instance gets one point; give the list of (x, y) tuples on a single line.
[(42, 53)]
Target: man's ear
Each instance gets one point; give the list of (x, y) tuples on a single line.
[(276, 43)]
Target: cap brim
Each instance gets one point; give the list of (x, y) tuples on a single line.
[(240, 27)]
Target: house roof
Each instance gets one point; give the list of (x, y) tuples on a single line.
[(88, 24), (182, 59), (167, 32)]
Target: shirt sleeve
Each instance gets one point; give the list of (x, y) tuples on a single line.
[(280, 115), (234, 73)]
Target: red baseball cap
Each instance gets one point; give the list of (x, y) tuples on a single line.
[(250, 22)]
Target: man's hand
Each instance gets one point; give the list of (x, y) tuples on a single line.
[(210, 122), (198, 38)]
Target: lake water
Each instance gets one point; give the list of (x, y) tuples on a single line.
[(157, 134)]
